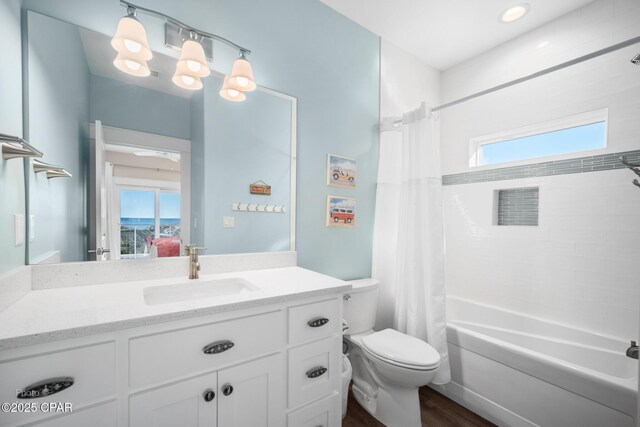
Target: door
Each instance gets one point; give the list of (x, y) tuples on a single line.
[(252, 394), (190, 403), (98, 240)]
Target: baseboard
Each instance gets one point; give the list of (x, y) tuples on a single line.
[(482, 406)]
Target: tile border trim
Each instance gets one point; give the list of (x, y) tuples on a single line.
[(557, 167)]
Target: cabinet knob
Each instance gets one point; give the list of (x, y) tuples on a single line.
[(45, 388), (218, 347), (227, 389), (208, 395), (316, 323), (316, 372)]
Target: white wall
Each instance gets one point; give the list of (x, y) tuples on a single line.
[(405, 82), (595, 26), (579, 266)]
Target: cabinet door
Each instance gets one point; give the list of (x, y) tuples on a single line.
[(252, 394), (190, 403)]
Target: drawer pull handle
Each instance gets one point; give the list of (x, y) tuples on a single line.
[(208, 395), (316, 323), (218, 347), (45, 388), (227, 389), (316, 372)]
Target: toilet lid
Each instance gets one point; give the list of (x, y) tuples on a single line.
[(395, 346)]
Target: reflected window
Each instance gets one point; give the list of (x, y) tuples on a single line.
[(149, 223), (137, 222)]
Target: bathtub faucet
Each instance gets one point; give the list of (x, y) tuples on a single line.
[(632, 351)]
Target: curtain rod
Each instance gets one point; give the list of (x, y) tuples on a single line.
[(558, 67)]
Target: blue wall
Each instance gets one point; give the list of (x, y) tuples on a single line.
[(12, 171), (243, 143), (307, 50), (58, 106), (132, 107)]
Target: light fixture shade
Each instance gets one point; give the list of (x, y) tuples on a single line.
[(132, 66), (231, 94), (242, 76), (186, 81), (193, 60), (131, 39)]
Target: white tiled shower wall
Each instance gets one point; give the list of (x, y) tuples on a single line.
[(580, 265)]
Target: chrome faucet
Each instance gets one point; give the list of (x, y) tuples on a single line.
[(194, 265), (632, 351)]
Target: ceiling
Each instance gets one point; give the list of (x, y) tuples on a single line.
[(443, 33), (100, 56)]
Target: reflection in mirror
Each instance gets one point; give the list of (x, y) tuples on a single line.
[(154, 166)]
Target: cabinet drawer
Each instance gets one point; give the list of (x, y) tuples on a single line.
[(317, 320), (174, 354), (97, 416), (93, 369), (324, 413), (314, 370)]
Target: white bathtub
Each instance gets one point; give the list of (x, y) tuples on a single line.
[(517, 370)]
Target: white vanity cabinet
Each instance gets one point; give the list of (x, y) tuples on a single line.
[(250, 394), (272, 365)]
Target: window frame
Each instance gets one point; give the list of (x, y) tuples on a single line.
[(576, 120)]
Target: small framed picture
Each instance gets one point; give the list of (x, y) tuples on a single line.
[(341, 171), (341, 212)]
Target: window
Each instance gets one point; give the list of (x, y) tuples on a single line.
[(583, 132), (149, 216)]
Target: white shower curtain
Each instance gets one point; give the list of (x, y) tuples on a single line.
[(417, 269)]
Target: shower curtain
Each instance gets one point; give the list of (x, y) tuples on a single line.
[(417, 269)]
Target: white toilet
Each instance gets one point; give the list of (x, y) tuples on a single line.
[(388, 366)]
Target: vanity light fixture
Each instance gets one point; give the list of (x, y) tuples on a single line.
[(192, 65), (192, 60), (133, 50), (186, 81), (132, 66), (241, 78), (132, 46), (231, 94), (514, 13)]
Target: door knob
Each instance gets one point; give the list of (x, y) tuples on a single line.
[(208, 395), (227, 389)]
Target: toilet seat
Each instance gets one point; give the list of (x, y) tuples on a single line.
[(401, 350)]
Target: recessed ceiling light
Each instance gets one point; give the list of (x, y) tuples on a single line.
[(514, 13)]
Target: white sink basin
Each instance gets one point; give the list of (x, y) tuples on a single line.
[(196, 289)]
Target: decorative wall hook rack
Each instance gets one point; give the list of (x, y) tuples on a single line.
[(14, 147), (258, 207), (52, 171), (635, 167)]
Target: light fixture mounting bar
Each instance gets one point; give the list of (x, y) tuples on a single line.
[(175, 36), (174, 21)]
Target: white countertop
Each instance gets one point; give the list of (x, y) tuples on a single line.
[(69, 312)]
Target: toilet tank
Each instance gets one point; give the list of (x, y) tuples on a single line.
[(360, 305)]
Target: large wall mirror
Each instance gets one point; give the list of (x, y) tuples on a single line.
[(153, 166)]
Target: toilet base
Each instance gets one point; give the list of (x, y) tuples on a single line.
[(396, 407)]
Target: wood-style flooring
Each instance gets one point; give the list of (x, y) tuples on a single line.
[(437, 411)]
